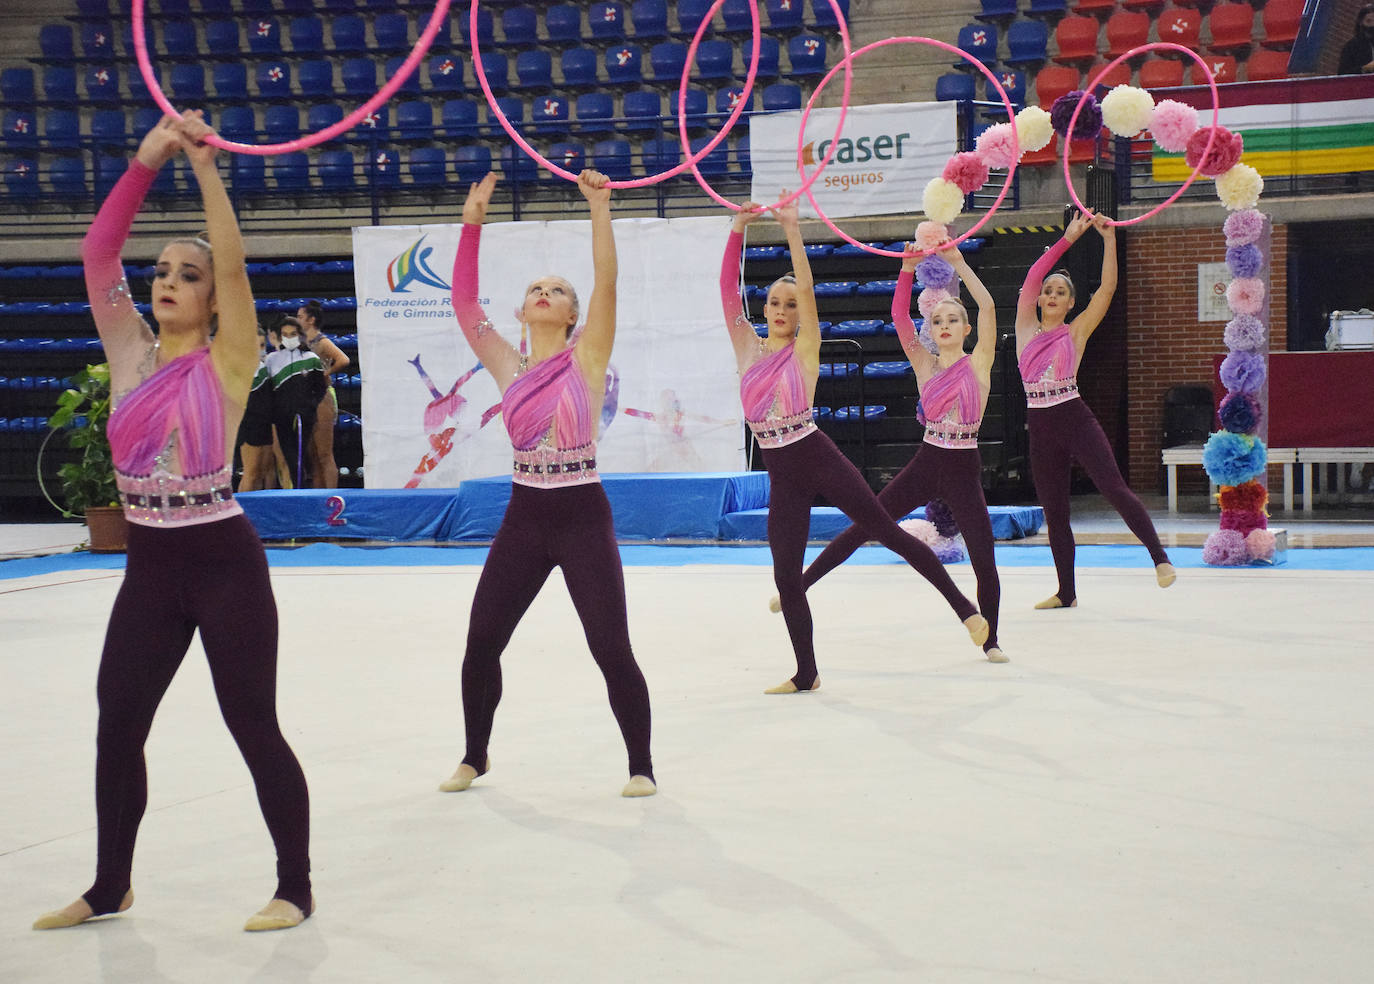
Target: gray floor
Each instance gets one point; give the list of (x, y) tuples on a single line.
[(1162, 786)]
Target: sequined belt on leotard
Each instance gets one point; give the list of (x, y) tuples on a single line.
[(543, 466), (1051, 392), (956, 436), (775, 432), (163, 499)]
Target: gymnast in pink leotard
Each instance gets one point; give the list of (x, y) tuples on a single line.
[(1062, 428), (777, 384), (558, 514), (194, 560)]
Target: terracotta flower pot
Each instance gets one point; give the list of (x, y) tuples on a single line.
[(108, 529)]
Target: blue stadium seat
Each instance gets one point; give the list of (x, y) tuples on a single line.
[(979, 41), (806, 54), (335, 168), (138, 89), (595, 110), (392, 32), (102, 84), (188, 82), (563, 24), (384, 168), (16, 85), (612, 158), (222, 37), (62, 128), (264, 36), (471, 163), (304, 6), (145, 118), (650, 19), (690, 14), (274, 79), (1049, 9), (307, 35), (519, 27), (955, 87), (486, 30), (623, 65), (496, 69), (725, 104), (1014, 83), (715, 60), (835, 288), (859, 328), (415, 120), (59, 84), (578, 66), (570, 157), (19, 129), (516, 166), (642, 110), (230, 80), (179, 39), (97, 40), (256, 7), (781, 96), (428, 167), (823, 15), (513, 109), (459, 118), (322, 115), (446, 73), (735, 14), (291, 172), (997, 10), (411, 86), (784, 15), (697, 104), (55, 42), (348, 32), (375, 125), (358, 76), (107, 169), (666, 61), (770, 52), (606, 21), (247, 173), (238, 123), (717, 162), (316, 79), (67, 175), (660, 155), (877, 288), (1027, 42), (281, 123), (549, 114), (93, 8), (534, 69), (744, 161)]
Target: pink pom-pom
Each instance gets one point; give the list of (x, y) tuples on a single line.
[(1172, 124), (1261, 545), (1224, 155), (921, 529), (931, 234), (997, 146), (1243, 520), (930, 297), (1225, 548), (1243, 227), (1245, 295)]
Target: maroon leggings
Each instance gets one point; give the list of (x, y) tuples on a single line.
[(1060, 435), (797, 473), (570, 528), (944, 473), (212, 577)]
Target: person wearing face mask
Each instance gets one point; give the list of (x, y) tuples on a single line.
[(954, 393), (1357, 57), (777, 386), (298, 384), (194, 560), (558, 515), (1062, 428)]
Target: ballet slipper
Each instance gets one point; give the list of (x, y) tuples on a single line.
[(77, 913), (277, 914), (996, 655), (788, 687), (775, 604), (977, 627), (639, 786), (1165, 574), (462, 779), (1053, 602)]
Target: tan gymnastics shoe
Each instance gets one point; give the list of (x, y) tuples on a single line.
[(788, 687), (775, 604), (1053, 602), (977, 627), (462, 779), (639, 786), (277, 914), (76, 913), (1165, 574), (996, 655)]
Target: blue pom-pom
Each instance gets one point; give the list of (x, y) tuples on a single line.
[(1231, 459), (1242, 372), (1240, 413), (935, 272), (1244, 261)]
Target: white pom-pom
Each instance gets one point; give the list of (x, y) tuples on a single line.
[(1033, 128), (1240, 187), (1127, 110), (943, 201)]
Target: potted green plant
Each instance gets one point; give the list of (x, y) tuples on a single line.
[(88, 483)]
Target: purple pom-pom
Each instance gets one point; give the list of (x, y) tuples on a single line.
[(1089, 122), (1242, 372), (1245, 333), (1231, 459), (1240, 413), (1244, 261), (949, 549), (935, 272), (1225, 548), (939, 513), (1244, 226)]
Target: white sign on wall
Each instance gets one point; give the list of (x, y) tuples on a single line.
[(1212, 279)]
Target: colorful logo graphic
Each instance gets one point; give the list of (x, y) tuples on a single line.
[(412, 267)]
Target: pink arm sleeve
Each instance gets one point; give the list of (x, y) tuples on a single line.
[(901, 310), (735, 321), (116, 318), (471, 318), (1035, 276)]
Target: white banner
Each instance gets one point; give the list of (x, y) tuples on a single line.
[(886, 155), (432, 414)]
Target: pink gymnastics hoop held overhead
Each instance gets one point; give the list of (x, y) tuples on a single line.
[(744, 95), (1211, 136), (806, 113), (422, 44), (651, 179)]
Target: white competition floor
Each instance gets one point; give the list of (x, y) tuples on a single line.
[(1161, 786)]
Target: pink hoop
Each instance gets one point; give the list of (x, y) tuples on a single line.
[(310, 139), (748, 84), (908, 39), (651, 179), (1211, 136)]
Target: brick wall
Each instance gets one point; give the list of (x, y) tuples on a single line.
[(1166, 344)]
